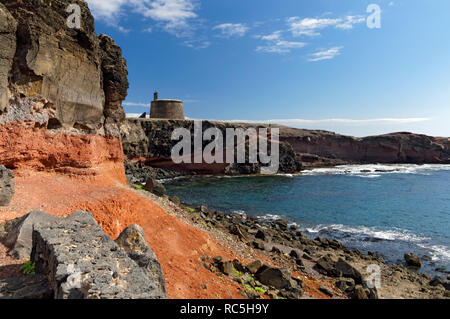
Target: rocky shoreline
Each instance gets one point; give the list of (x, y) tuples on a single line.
[(349, 270)]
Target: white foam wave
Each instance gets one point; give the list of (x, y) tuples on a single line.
[(373, 232), (377, 170), (437, 252)]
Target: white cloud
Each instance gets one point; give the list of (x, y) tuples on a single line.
[(136, 104), (197, 44), (311, 26), (270, 37), (281, 46), (276, 44), (232, 29), (349, 21), (325, 54), (106, 9), (173, 15)]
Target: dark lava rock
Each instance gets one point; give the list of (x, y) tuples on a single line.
[(260, 235), (344, 269), (294, 254), (325, 265), (155, 187), (274, 277), (346, 285), (6, 186), (16, 234), (282, 224), (28, 287), (254, 266), (132, 241), (327, 291), (226, 267), (175, 200), (258, 244), (413, 260), (81, 262), (238, 266)]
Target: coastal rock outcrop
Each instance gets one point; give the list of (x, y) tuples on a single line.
[(394, 148), (6, 186), (149, 141), (81, 262), (61, 90)]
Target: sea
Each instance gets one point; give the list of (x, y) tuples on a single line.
[(387, 209)]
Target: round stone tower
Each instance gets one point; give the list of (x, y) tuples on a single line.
[(166, 109)]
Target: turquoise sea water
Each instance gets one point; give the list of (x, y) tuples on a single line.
[(388, 209)]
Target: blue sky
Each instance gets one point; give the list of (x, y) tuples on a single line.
[(308, 64)]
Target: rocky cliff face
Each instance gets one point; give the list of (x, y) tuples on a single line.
[(150, 141), (63, 77), (390, 148), (61, 89)]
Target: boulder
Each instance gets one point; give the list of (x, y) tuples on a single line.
[(155, 187), (254, 266), (327, 291), (132, 241), (274, 277), (258, 244), (226, 267), (413, 260), (175, 200), (294, 254), (6, 185), (16, 234), (325, 265), (81, 262), (28, 287), (260, 235), (344, 269), (346, 285)]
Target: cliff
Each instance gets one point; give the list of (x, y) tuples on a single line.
[(150, 141), (389, 149), (61, 89)]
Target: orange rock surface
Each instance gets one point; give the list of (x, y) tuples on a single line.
[(26, 145)]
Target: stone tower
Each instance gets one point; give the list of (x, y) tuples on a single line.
[(166, 109)]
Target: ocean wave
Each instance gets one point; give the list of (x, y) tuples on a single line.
[(377, 170), (388, 234), (437, 252), (168, 180)]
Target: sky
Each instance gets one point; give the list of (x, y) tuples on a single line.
[(315, 64)]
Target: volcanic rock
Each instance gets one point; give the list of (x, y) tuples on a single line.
[(413, 260), (6, 186), (82, 262)]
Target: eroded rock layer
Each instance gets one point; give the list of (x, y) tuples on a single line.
[(61, 90), (66, 78)]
